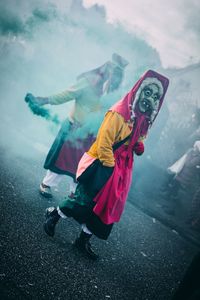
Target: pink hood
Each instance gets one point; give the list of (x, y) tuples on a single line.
[(124, 106)]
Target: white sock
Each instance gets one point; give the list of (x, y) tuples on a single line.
[(61, 213), (85, 229)]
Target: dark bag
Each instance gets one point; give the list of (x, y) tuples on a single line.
[(96, 175)]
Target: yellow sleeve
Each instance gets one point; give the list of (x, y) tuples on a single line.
[(70, 94), (106, 137)]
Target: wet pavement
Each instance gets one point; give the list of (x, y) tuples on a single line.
[(143, 259)]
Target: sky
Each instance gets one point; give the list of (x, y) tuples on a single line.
[(171, 27)]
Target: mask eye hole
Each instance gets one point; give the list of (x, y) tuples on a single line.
[(156, 97), (147, 92)]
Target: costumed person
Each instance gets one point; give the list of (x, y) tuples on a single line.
[(184, 183), (105, 171), (64, 154)]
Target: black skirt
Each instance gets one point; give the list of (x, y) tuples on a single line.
[(80, 206)]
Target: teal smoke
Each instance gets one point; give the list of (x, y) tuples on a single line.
[(40, 111)]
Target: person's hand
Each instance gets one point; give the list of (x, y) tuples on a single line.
[(139, 148), (36, 100)]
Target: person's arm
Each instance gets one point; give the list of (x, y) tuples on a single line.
[(68, 95), (106, 137)]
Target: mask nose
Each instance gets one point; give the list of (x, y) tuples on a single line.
[(151, 102)]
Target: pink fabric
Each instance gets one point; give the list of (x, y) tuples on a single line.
[(86, 161), (71, 153), (110, 201)]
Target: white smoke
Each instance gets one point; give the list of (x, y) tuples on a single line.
[(171, 27)]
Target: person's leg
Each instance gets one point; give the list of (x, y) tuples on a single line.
[(52, 215), (65, 209), (82, 243), (52, 218), (72, 186), (51, 179), (76, 208)]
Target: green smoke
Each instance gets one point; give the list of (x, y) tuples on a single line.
[(10, 23), (44, 48), (41, 111)]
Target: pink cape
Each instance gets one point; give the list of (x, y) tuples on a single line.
[(111, 199)]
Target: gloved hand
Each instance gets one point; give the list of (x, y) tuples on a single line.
[(139, 148), (36, 100)]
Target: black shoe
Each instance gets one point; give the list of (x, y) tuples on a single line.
[(82, 243), (45, 191), (52, 218)]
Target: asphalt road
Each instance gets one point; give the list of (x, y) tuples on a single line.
[(142, 259)]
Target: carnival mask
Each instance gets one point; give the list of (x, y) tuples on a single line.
[(148, 97)]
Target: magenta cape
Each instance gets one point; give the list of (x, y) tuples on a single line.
[(111, 199)]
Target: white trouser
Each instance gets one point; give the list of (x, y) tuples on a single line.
[(53, 179)]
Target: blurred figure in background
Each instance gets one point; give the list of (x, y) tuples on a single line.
[(195, 134), (194, 219), (184, 182), (64, 154)]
